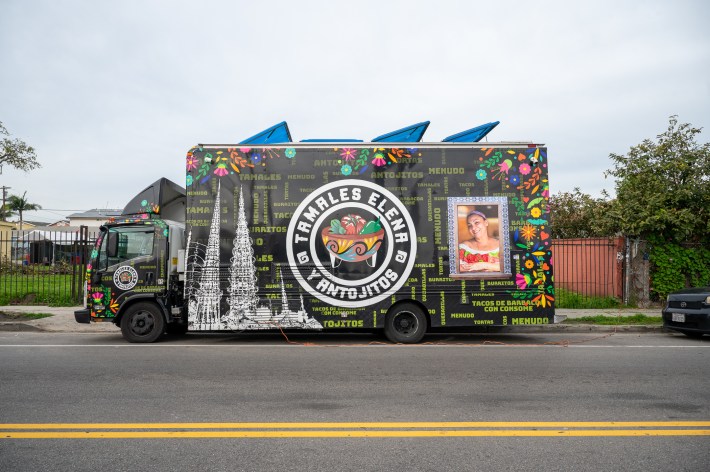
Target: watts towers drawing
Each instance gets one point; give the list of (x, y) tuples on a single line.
[(244, 310)]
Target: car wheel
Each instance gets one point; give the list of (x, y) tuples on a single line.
[(142, 323), (405, 323)]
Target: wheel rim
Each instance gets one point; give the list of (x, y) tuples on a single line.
[(405, 323), (142, 323)]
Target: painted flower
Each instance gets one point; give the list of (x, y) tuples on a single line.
[(348, 154), (346, 169), (522, 281), (535, 212), (524, 169), (528, 231), (505, 165), (245, 150), (94, 254), (188, 180), (192, 162), (481, 174), (379, 160), (97, 296), (529, 264), (221, 169), (514, 179), (290, 153)]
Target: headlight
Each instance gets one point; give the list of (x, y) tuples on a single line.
[(707, 300), (668, 298)]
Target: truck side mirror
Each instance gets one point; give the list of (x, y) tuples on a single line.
[(112, 247)]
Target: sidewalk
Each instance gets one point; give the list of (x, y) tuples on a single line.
[(63, 321)]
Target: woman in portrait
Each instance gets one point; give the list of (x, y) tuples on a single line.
[(481, 253)]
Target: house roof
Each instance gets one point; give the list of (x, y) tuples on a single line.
[(97, 213)]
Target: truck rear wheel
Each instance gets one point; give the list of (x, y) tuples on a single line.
[(142, 323), (405, 323)]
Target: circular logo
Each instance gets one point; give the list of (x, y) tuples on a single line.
[(351, 243), (125, 278)]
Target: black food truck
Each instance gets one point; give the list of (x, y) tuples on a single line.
[(393, 234)]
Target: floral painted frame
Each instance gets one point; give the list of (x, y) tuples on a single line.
[(492, 207)]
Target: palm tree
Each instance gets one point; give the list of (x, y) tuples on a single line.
[(20, 205), (5, 213)]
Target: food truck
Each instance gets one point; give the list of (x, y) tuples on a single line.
[(391, 234)]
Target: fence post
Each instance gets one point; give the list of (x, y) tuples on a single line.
[(627, 270), (79, 257)]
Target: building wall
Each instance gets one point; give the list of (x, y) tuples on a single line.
[(5, 235)]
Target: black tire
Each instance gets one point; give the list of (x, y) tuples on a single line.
[(143, 322), (405, 323), (693, 334)]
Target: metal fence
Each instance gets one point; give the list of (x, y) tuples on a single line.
[(44, 266), (47, 266), (589, 272)]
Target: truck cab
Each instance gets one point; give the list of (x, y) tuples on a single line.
[(132, 276)]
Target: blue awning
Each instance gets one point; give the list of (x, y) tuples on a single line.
[(276, 134), (410, 134), (472, 135)]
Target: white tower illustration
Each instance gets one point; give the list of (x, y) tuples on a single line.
[(243, 297), (208, 293)]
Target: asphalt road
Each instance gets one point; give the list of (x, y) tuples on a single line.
[(94, 402)]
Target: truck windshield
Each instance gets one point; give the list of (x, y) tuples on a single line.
[(129, 242)]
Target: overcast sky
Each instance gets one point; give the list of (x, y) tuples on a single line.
[(112, 94)]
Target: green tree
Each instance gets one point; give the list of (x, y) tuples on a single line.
[(5, 213), (20, 205), (16, 153), (579, 215), (663, 186)]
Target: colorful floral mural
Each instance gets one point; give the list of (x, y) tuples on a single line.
[(525, 173)]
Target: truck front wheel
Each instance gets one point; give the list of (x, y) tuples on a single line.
[(142, 323), (405, 323)]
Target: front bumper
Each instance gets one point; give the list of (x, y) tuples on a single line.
[(83, 316), (696, 321)]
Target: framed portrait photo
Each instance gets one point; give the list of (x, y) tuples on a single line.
[(479, 245)]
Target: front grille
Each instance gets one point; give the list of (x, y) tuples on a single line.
[(687, 306)]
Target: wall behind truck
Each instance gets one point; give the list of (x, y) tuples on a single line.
[(321, 237)]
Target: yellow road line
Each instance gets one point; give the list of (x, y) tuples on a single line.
[(323, 425), (346, 434)]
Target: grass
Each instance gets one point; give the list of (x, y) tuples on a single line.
[(637, 319), (567, 299), (49, 289)]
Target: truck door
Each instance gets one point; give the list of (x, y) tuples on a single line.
[(126, 262)]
